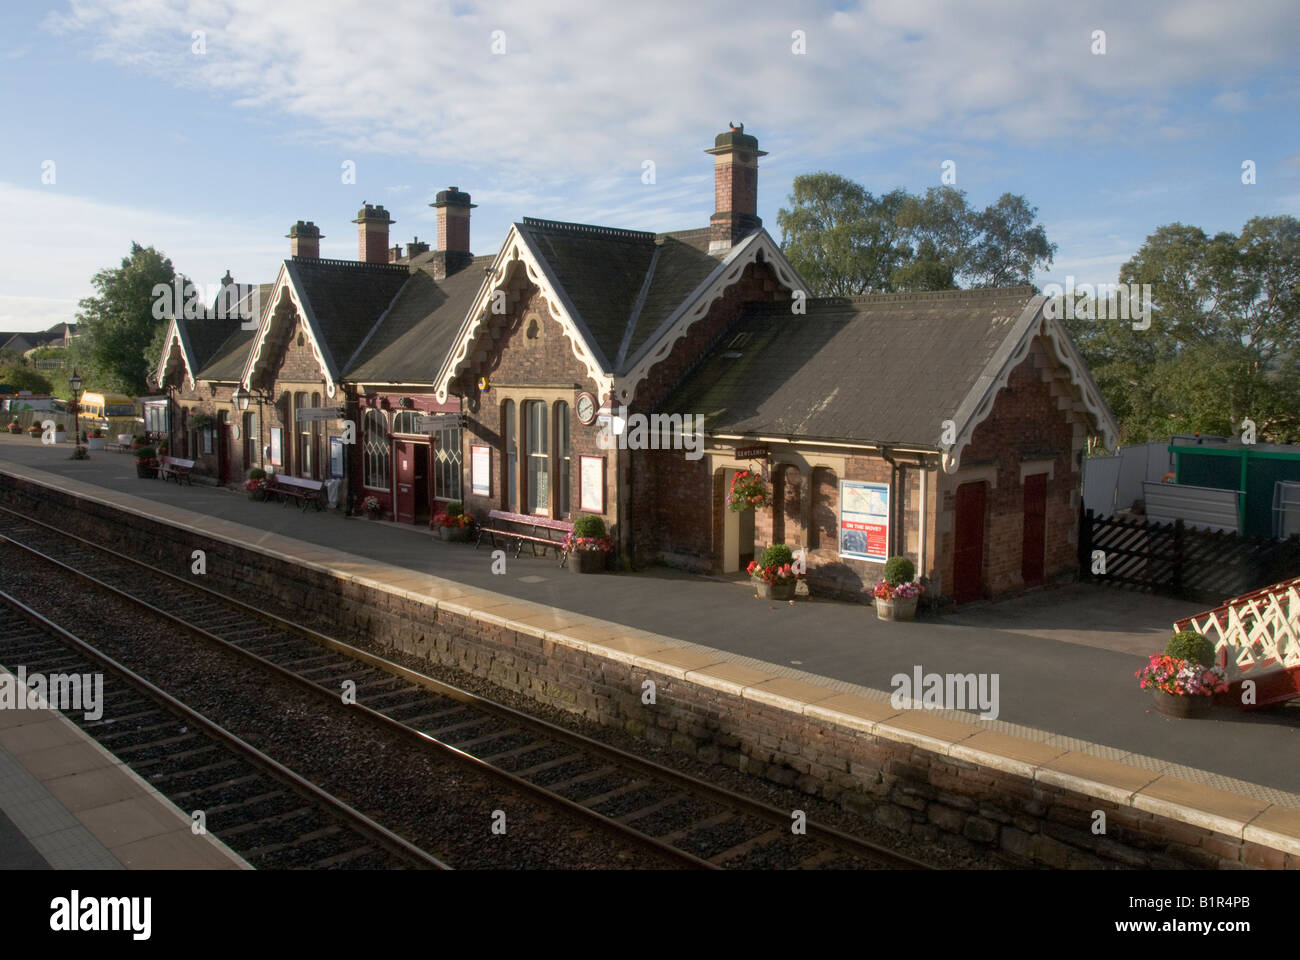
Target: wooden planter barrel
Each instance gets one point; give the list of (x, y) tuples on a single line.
[(1176, 705), (900, 608)]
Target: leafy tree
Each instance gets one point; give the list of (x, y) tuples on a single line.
[(118, 323), (845, 241), (1224, 339), (22, 378)]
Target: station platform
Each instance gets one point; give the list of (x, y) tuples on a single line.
[(66, 803), (1070, 713)]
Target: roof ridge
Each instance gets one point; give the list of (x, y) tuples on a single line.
[(635, 314), (351, 263), (564, 226), (972, 293)]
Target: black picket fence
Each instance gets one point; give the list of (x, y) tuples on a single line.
[(1199, 565)]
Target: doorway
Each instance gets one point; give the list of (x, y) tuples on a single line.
[(1034, 544), (223, 447), (968, 550), (737, 530), (421, 483)]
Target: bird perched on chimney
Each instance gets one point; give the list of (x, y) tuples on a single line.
[(735, 128)]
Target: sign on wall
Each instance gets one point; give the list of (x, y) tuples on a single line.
[(480, 469), (864, 520), (309, 414), (433, 423), (592, 485), (336, 457)]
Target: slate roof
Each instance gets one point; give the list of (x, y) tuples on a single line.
[(227, 363), (217, 346), (346, 298), (410, 341), (620, 284), (888, 368)]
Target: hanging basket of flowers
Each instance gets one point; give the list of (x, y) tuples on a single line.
[(748, 491)]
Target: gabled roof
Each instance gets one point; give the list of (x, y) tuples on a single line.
[(206, 341), (886, 369), (339, 300), (623, 297), (410, 340)]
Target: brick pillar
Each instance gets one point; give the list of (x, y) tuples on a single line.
[(735, 188), (372, 233)]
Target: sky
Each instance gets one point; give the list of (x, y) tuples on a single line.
[(206, 128)]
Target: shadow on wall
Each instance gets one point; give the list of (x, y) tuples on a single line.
[(837, 580)]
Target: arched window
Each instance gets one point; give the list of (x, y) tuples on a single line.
[(301, 430), (562, 458), (252, 441), (405, 421), (376, 451), (314, 444), (539, 457)]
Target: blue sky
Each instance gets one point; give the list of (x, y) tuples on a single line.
[(211, 156)]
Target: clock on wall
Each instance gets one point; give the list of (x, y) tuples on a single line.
[(586, 409)]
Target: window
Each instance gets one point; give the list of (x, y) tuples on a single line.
[(447, 464), (376, 452), (405, 421), (512, 456), (252, 441), (562, 458), (314, 445), (302, 430), (539, 476)]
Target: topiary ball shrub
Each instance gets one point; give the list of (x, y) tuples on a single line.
[(1192, 646), (899, 570), (455, 508), (145, 453), (589, 525), (775, 556), (257, 473)]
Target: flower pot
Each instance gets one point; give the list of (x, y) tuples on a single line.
[(453, 534), (586, 561), (899, 608), (94, 443), (774, 591), (60, 436), (144, 471), (1178, 705)]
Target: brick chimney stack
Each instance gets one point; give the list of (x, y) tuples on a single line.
[(304, 240), (735, 188), (453, 254), (416, 247), (372, 233)]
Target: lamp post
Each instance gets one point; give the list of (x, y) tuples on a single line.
[(74, 384)]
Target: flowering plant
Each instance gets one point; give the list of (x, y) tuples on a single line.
[(572, 543), (255, 484), (748, 490), (904, 591), (456, 521), (773, 573), (1182, 678), (371, 504)]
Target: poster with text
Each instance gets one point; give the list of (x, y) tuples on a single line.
[(480, 470), (864, 520), (275, 447)]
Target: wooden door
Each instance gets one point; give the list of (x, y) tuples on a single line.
[(968, 553), (404, 457), (1034, 544)]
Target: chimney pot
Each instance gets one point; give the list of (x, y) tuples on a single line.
[(735, 188), (453, 206), (372, 233), (304, 240)]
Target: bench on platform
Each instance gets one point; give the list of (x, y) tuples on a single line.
[(117, 446), (540, 531), (299, 489), (169, 467)]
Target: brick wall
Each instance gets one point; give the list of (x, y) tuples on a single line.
[(973, 810)]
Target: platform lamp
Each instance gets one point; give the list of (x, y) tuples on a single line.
[(74, 384)]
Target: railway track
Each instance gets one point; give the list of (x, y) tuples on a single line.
[(260, 809), (678, 816)]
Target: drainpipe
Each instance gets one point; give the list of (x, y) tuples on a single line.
[(922, 515), (893, 508)]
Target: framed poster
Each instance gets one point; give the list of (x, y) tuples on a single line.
[(276, 447), (480, 469), (864, 520), (336, 457), (592, 485)]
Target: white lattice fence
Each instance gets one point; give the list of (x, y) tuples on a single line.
[(1258, 626)]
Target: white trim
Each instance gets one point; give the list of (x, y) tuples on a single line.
[(980, 401), (701, 300), (518, 253), (174, 336), (987, 473), (284, 285)]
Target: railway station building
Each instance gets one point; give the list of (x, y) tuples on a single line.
[(948, 426)]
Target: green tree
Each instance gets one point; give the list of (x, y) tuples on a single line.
[(118, 323), (940, 230), (23, 378), (1224, 339), (1008, 246)]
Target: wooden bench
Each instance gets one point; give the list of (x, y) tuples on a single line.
[(169, 467), (539, 535), (305, 492), (117, 445)]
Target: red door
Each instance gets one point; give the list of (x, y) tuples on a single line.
[(968, 553), (1035, 539), (405, 463)]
